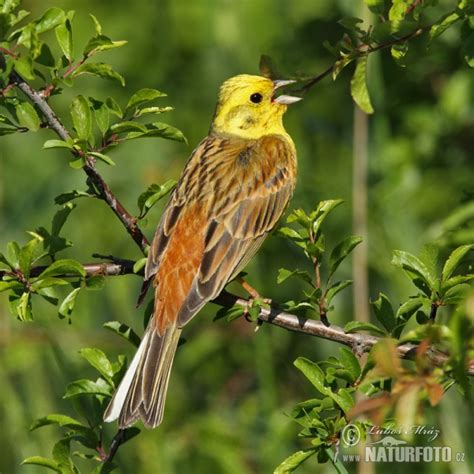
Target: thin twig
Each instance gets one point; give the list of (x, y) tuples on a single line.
[(361, 51)]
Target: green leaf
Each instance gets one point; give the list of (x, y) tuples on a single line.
[(160, 130), (335, 289), (384, 312), (81, 117), (102, 114), (322, 211), (153, 194), (399, 52), (294, 461), (57, 144), (64, 267), (99, 361), (48, 282), (114, 107), (68, 303), (60, 218), (63, 34), (456, 294), (13, 253), (87, 387), (50, 19), (284, 274), (102, 70), (29, 253), (291, 233), (74, 194), (127, 126), (355, 326), (27, 116), (454, 260), (142, 97), (101, 43), (102, 157), (61, 454), (55, 419), (313, 373), (23, 307), (316, 376), (443, 24), (341, 251), (77, 163), (152, 110), (408, 309), (24, 67), (359, 90), (139, 264), (409, 262), (97, 25), (350, 362), (9, 285), (123, 331), (398, 9), (455, 280), (43, 462)]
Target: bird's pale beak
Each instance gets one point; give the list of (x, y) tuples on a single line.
[(284, 99)]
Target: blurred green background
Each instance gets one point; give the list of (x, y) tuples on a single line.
[(231, 388)]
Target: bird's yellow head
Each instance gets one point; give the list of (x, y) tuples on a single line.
[(248, 107)]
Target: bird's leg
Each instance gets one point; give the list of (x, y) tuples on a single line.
[(254, 296)]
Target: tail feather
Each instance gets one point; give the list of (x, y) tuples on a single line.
[(142, 391)]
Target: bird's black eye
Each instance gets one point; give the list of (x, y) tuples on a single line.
[(256, 98)]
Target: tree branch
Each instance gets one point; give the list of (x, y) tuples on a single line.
[(103, 190), (362, 50), (357, 342)]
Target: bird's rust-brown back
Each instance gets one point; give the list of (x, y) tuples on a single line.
[(229, 197)]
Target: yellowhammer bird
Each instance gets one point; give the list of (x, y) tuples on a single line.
[(234, 188)]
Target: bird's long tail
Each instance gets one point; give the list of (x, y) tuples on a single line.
[(142, 391)]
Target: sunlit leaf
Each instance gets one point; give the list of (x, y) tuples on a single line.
[(124, 331), (81, 117), (99, 361), (88, 387), (454, 260), (64, 267), (43, 462), (63, 34), (142, 97), (67, 305), (355, 326), (294, 461), (359, 90), (341, 251), (102, 70), (50, 19)]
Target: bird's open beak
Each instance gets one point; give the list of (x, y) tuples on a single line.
[(284, 99)]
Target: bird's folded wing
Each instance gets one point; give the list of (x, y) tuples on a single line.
[(237, 191)]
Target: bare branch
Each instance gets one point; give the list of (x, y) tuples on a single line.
[(357, 342), (103, 190)]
